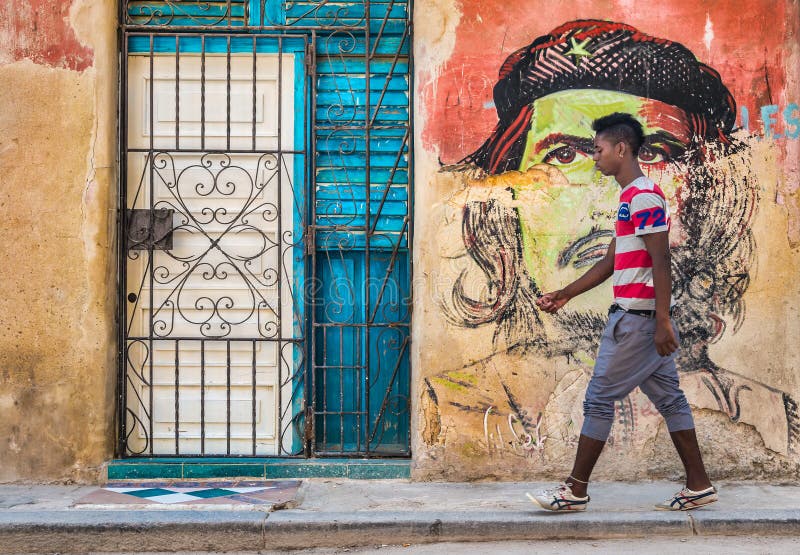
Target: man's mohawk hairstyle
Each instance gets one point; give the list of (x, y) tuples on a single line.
[(621, 127)]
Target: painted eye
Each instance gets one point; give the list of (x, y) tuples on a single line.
[(651, 155), (561, 155)]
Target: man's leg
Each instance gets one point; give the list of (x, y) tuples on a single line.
[(617, 371), (663, 389), (626, 357), (686, 443), (589, 450)]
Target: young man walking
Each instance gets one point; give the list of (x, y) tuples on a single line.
[(638, 344)]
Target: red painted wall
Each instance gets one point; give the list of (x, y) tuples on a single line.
[(748, 49), (39, 30)]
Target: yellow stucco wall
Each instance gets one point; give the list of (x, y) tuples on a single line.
[(58, 107)]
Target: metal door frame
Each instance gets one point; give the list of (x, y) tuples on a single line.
[(259, 20)]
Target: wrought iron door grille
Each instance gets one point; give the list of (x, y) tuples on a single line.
[(271, 315)]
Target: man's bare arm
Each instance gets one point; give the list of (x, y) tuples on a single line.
[(596, 275), (657, 245)]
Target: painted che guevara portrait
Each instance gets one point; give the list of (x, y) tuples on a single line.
[(534, 174)]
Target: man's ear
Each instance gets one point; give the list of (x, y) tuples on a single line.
[(621, 148)]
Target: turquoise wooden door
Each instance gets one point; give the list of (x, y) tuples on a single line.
[(362, 236)]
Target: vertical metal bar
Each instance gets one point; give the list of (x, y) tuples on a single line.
[(367, 216), (311, 63), (228, 94), (202, 92), (341, 387), (310, 186), (177, 92), (280, 399), (253, 414), (228, 396), (410, 191), (151, 161), (280, 179), (202, 396), (255, 73), (281, 214), (122, 343), (358, 375), (325, 437), (177, 397)]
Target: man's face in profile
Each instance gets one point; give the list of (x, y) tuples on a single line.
[(567, 227)]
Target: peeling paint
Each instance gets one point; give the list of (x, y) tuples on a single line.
[(708, 35), (40, 31)]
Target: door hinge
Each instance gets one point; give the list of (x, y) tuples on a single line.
[(310, 59), (308, 241)]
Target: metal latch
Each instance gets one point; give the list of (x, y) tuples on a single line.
[(141, 236)]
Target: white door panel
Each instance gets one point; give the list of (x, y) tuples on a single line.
[(194, 106), (229, 273)]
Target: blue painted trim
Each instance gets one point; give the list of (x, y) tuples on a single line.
[(274, 13), (266, 468), (254, 460), (165, 44), (299, 354)]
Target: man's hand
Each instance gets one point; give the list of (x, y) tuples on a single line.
[(666, 342), (551, 302)]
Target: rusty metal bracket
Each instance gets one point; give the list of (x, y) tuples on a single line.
[(150, 229)]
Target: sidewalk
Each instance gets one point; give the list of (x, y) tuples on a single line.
[(337, 513)]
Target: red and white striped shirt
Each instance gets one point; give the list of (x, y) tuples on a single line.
[(642, 209)]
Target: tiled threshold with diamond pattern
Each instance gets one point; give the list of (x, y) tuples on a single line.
[(241, 494)]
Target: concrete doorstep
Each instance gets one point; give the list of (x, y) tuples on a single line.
[(340, 513)]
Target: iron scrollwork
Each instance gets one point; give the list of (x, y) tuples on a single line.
[(238, 206)]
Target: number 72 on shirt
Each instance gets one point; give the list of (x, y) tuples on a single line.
[(657, 217)]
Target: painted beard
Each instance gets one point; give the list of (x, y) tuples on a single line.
[(710, 268)]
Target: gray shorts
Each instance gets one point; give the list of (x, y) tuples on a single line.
[(627, 359)]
